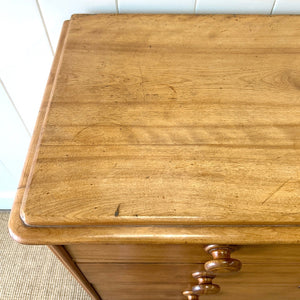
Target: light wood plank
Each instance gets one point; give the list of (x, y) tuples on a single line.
[(196, 122), (162, 184), (247, 254), (264, 281)]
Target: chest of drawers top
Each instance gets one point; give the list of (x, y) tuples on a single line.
[(181, 127)]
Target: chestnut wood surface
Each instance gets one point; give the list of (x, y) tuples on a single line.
[(152, 281), (147, 253), (182, 273), (168, 291), (247, 254), (126, 234), (195, 122)]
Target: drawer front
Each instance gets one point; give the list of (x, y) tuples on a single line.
[(168, 292), (140, 281), (138, 253), (279, 254), (167, 281)]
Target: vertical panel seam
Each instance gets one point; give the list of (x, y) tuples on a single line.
[(117, 6), (272, 9), (195, 6), (14, 106), (44, 25)]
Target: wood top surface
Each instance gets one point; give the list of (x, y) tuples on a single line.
[(171, 119)]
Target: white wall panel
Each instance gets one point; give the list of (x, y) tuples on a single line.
[(156, 6), (25, 56), (234, 6), (8, 185), (55, 12), (287, 7), (13, 149)]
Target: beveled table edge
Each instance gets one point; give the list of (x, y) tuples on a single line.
[(241, 235)]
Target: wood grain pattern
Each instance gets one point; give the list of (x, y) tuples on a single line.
[(185, 254), (169, 292), (264, 281), (196, 122), (138, 253), (146, 234)]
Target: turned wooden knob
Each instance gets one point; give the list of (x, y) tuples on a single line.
[(190, 295), (222, 262), (205, 285)]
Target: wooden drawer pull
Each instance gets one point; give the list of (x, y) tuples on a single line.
[(190, 295), (222, 262), (205, 285)]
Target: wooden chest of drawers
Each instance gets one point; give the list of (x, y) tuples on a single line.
[(166, 146)]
